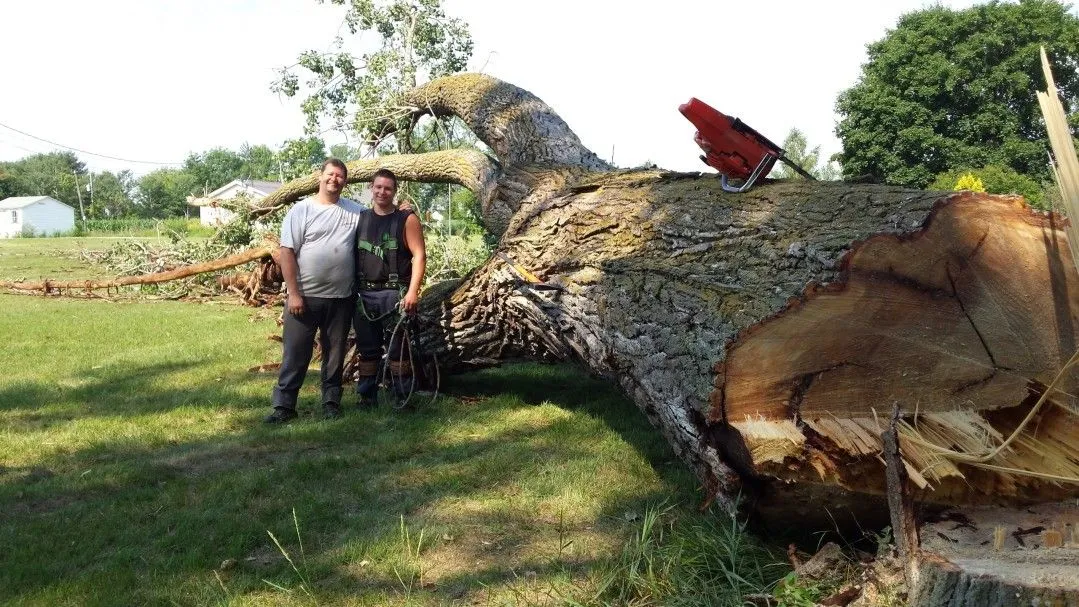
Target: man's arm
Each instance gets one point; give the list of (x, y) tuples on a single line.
[(416, 246), (291, 271)]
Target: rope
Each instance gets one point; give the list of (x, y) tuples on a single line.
[(401, 325)]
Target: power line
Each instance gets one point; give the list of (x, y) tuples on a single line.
[(67, 147)]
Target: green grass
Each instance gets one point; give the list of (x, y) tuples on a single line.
[(134, 470), (33, 259)]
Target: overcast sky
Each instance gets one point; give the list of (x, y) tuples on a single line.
[(153, 81)]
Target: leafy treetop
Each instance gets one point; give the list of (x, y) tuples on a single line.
[(357, 93), (948, 89)]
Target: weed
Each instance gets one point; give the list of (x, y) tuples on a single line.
[(698, 559), (305, 584)]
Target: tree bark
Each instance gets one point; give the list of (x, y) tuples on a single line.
[(763, 332)]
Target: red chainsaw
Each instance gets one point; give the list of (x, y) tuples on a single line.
[(732, 147)]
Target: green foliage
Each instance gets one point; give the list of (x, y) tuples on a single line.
[(454, 256), (213, 168), (797, 149), (141, 226), (968, 181), (948, 89), (299, 157), (164, 192), (111, 194), (259, 162), (995, 179), (52, 174), (791, 591), (418, 41)]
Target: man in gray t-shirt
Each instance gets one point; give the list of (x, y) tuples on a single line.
[(317, 259)]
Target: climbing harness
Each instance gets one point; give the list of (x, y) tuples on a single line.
[(387, 250)]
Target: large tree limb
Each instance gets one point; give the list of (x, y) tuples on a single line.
[(520, 128), (53, 286), (466, 167)]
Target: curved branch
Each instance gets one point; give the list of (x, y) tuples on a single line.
[(466, 167), (50, 286), (520, 128)]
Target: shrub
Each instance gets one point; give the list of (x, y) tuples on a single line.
[(996, 179)]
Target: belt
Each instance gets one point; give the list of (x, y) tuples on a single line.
[(376, 285)]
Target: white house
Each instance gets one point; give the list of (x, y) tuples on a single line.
[(41, 214), (212, 215)]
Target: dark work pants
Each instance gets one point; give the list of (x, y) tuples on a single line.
[(330, 317), (371, 334)]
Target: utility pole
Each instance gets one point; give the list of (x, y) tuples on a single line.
[(78, 192)]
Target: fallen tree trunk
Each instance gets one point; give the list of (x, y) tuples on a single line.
[(765, 333)]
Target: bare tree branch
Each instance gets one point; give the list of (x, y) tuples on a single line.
[(517, 125), (466, 167), (50, 286)]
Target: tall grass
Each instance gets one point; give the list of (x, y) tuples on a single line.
[(694, 559)]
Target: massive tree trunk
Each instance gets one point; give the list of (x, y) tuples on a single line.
[(763, 332), (766, 333)]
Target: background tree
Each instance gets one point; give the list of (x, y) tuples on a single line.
[(948, 89), (357, 93), (112, 195), (7, 186), (213, 168), (164, 192), (797, 149), (52, 174), (298, 157), (259, 162)]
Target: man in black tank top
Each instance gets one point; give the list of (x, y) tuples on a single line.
[(391, 258)]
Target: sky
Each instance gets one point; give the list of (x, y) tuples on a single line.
[(152, 81)]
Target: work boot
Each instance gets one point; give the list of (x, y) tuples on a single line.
[(280, 415), (367, 391), (331, 410)]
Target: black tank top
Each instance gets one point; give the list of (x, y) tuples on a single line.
[(383, 232)]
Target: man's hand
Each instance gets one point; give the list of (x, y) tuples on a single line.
[(404, 204), (295, 304), (411, 302)]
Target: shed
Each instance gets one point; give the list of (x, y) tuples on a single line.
[(38, 215), (212, 215)]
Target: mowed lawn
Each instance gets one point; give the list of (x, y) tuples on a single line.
[(134, 470)]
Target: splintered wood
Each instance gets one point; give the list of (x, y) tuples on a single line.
[(955, 320)]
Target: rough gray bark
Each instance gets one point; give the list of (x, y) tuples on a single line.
[(679, 292)]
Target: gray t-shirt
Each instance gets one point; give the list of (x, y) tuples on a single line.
[(323, 236)]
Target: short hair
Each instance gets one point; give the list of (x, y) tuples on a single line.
[(334, 162), (388, 174)]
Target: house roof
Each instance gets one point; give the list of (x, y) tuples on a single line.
[(262, 187), (21, 202)]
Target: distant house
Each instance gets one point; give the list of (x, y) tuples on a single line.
[(41, 215), (212, 215)]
